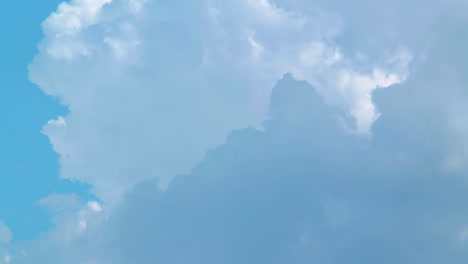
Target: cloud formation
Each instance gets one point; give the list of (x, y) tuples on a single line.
[(301, 191), (151, 86)]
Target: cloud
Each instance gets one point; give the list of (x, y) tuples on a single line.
[(5, 233), (5, 238), (72, 217), (151, 86), (302, 190), (151, 89)]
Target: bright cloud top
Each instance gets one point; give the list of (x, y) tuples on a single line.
[(152, 85)]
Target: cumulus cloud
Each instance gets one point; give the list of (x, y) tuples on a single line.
[(151, 86), (302, 190)]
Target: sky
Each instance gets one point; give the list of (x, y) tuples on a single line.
[(221, 131), (28, 166)]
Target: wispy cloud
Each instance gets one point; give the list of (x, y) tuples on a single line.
[(5, 233)]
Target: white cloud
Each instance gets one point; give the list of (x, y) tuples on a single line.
[(150, 86), (72, 217), (64, 27), (150, 89)]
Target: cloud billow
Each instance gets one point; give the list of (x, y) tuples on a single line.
[(303, 190), (254, 174), (148, 93)]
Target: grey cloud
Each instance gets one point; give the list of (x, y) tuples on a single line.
[(301, 191)]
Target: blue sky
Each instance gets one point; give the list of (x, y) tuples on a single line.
[(28, 166), (222, 131)]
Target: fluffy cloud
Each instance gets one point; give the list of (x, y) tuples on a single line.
[(151, 86), (303, 190)]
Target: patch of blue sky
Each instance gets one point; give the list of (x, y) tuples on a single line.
[(28, 165)]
